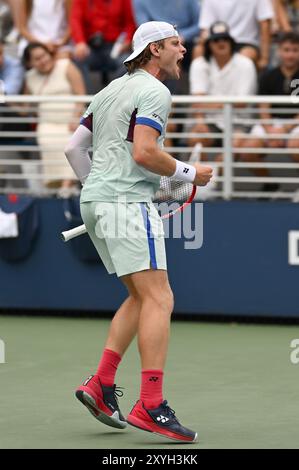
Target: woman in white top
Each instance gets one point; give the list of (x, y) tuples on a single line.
[(46, 21), (56, 121)]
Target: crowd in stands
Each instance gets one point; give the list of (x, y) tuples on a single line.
[(75, 47)]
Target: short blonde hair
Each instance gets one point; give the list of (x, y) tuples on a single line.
[(143, 58)]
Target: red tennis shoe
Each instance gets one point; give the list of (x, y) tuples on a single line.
[(102, 401), (161, 421)]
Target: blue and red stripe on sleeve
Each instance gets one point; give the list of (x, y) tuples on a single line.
[(87, 122)]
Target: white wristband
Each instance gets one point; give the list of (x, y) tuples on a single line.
[(184, 172)]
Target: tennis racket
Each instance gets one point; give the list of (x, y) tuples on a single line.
[(176, 194)]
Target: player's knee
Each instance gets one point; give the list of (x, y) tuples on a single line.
[(134, 298), (164, 300), (169, 301)]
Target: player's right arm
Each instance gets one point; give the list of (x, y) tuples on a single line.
[(147, 153), (77, 148), (76, 151)]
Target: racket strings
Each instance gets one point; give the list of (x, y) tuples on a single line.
[(173, 191)]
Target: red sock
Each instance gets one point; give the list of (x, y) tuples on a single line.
[(108, 366), (151, 388)]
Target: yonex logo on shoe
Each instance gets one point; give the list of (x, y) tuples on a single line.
[(154, 379), (88, 380), (163, 419)]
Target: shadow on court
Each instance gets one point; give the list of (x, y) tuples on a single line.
[(234, 384)]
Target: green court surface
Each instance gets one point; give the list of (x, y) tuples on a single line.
[(233, 383)]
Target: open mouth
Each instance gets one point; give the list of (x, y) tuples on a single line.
[(179, 62)]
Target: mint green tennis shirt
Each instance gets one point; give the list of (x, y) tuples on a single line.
[(133, 99)]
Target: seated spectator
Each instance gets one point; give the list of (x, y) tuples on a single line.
[(249, 24), (98, 28), (221, 72), (184, 14), (11, 83), (279, 81), (46, 22), (57, 121)]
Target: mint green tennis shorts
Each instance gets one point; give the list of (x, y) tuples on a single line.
[(129, 237)]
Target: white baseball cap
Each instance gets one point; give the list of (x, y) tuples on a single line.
[(150, 32)]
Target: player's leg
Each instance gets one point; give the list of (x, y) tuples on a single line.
[(152, 413), (125, 322), (146, 310), (98, 392), (122, 330), (156, 307)]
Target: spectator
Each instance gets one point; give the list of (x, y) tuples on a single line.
[(49, 76), (182, 13), (282, 80), (249, 23), (222, 71), (96, 26), (46, 22)]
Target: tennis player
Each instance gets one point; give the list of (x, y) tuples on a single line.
[(126, 123)]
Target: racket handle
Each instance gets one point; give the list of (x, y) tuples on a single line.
[(74, 232)]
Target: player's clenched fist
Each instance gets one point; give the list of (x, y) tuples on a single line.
[(203, 174)]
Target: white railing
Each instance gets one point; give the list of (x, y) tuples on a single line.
[(21, 166)]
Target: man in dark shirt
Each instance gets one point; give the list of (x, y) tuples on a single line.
[(282, 80)]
